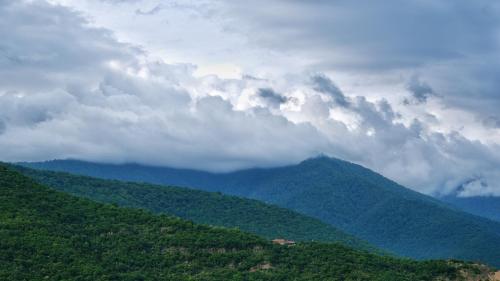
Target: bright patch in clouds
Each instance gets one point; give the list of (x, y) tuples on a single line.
[(223, 85)]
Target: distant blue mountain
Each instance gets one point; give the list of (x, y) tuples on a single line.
[(348, 196), (484, 206)]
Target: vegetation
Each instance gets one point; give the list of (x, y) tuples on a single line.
[(345, 195), (48, 235), (203, 207), (485, 206)]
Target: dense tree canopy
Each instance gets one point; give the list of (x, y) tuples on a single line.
[(203, 207), (347, 196), (48, 235)]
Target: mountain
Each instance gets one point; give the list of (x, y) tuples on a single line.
[(49, 235), (484, 206), (202, 207), (348, 196)]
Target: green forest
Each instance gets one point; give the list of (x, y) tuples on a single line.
[(50, 235), (347, 196), (202, 207)]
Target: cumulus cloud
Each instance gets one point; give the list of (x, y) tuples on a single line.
[(413, 154), (109, 105), (45, 43), (323, 84), (271, 97), (69, 89), (452, 45)]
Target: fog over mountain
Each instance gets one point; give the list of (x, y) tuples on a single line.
[(410, 90)]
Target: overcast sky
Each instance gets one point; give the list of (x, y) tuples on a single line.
[(410, 89)]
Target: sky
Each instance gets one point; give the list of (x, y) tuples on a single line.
[(408, 88)]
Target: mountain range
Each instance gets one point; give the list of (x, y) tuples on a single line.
[(345, 195), (484, 206), (50, 235)]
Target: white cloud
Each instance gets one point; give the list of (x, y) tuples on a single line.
[(70, 89), (113, 106)]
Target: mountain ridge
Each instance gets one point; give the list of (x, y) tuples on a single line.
[(202, 207), (345, 195), (50, 235), (484, 206)]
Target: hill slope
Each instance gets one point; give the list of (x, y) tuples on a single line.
[(203, 207), (47, 235), (343, 194), (484, 206)]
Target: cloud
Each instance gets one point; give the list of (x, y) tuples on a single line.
[(451, 45), (492, 122), (3, 127), (374, 35), (119, 1), (44, 42), (101, 101), (324, 85), (273, 98), (419, 90), (413, 154), (368, 48), (153, 11), (69, 89)]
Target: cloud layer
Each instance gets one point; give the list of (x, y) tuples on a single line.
[(94, 98), (70, 89)]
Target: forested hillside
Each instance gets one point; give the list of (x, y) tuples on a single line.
[(485, 206), (348, 196), (203, 207), (48, 235)]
